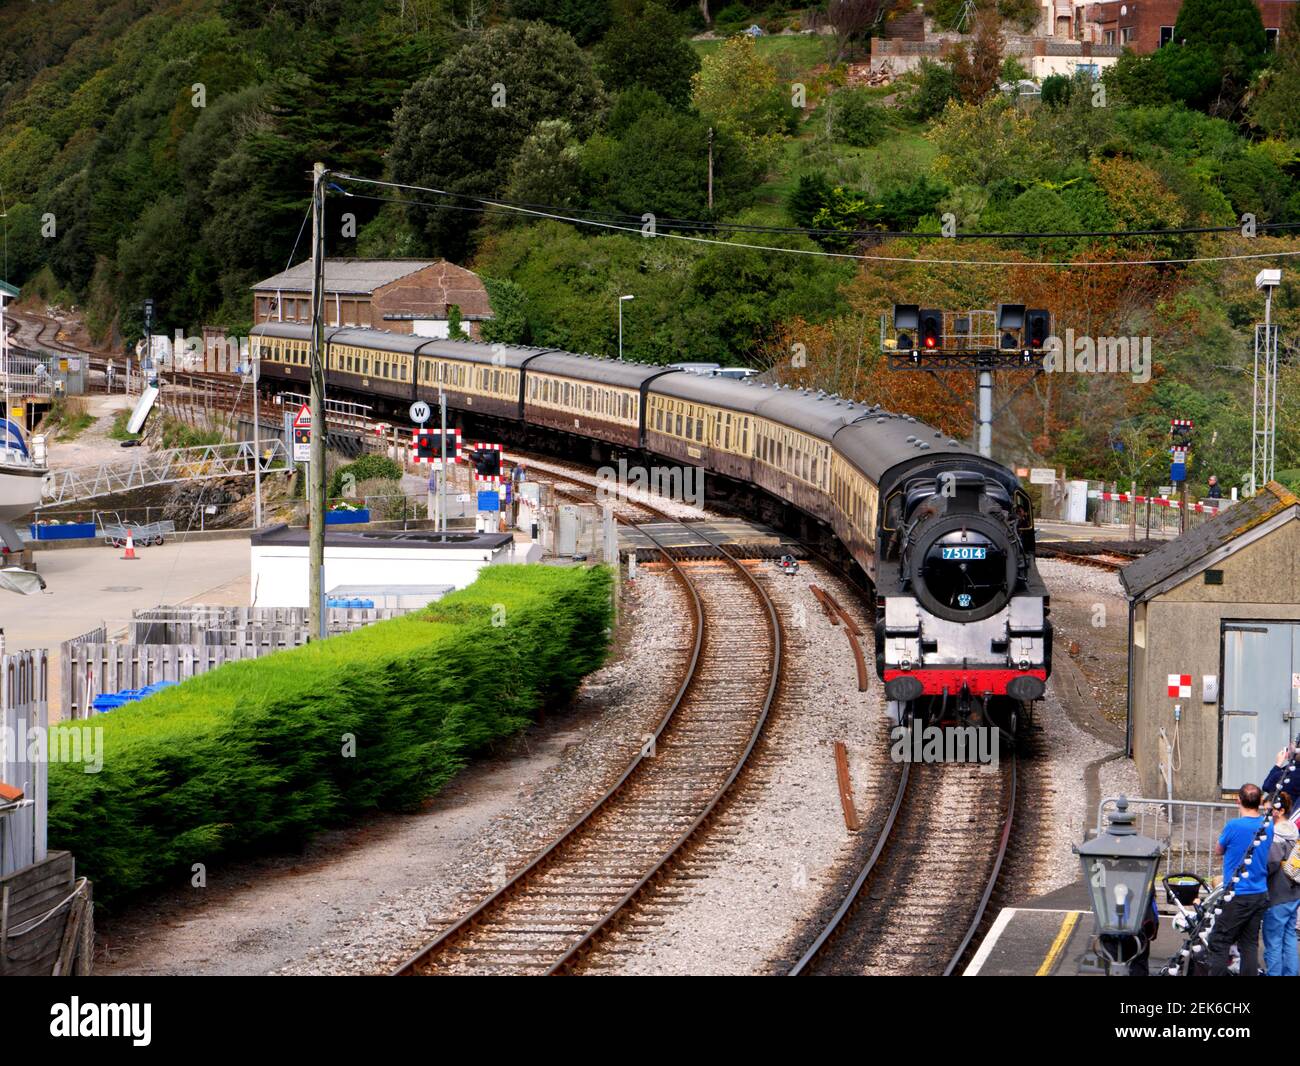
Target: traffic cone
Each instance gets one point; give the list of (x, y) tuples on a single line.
[(130, 546)]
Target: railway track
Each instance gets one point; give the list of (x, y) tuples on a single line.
[(923, 894), (549, 915), (1103, 558)]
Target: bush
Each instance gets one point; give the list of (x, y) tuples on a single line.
[(933, 86), (856, 120), (178, 434), (385, 501), (255, 755), (365, 468), (732, 19)]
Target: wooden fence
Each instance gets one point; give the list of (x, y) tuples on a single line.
[(46, 920), (24, 706)]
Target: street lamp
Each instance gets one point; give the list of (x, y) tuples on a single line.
[(1119, 866), (621, 300)]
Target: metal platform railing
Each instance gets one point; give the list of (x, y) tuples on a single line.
[(1187, 830), (164, 467)]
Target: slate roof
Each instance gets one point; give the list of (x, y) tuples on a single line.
[(1194, 545), (346, 275)]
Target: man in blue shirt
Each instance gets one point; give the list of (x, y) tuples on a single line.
[(1246, 836)]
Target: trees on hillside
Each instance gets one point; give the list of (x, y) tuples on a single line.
[(460, 128), (646, 48), (1276, 105), (659, 165), (737, 89), (584, 20)]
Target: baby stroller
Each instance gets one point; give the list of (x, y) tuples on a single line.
[(1194, 901)]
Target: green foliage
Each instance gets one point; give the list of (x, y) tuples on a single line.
[(509, 324), (646, 49), (844, 210), (118, 431), (1220, 25), (947, 13), (178, 434), (255, 756), (366, 468), (67, 417), (1013, 70), (1217, 51), (660, 166), (932, 86), (584, 20), (857, 121), (1276, 106), (808, 197), (1056, 90), (455, 331), (629, 106), (739, 91), (548, 168), (713, 303), (732, 19), (449, 134)]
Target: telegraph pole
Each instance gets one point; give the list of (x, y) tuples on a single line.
[(316, 468), (710, 168)]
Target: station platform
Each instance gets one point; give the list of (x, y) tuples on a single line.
[(736, 534), (1050, 936)]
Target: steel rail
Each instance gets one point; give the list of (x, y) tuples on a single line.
[(566, 964), (443, 939), (802, 968), (1003, 844)]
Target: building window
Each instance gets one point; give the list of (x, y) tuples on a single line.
[(1126, 35), (1110, 36), (1166, 35), (1270, 39)]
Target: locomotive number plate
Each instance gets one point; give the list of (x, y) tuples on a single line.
[(965, 553)]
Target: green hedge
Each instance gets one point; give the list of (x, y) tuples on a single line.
[(249, 757)]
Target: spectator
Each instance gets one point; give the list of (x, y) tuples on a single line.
[(1283, 896), (1275, 775), (1216, 493), (1240, 921)]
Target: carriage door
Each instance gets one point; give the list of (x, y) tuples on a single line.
[(1261, 660)]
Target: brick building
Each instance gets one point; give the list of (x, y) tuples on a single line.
[(402, 295), (1146, 25)]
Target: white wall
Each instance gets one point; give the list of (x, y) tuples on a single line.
[(1041, 67), (280, 571)]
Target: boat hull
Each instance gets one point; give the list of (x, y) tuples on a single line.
[(20, 491)]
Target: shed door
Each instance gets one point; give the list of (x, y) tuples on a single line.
[(1260, 705)]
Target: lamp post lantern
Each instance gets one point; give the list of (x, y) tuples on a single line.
[(621, 301), (1119, 867)]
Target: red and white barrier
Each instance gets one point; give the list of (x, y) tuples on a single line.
[(1159, 501)]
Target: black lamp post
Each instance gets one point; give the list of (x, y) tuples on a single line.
[(1119, 866)]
